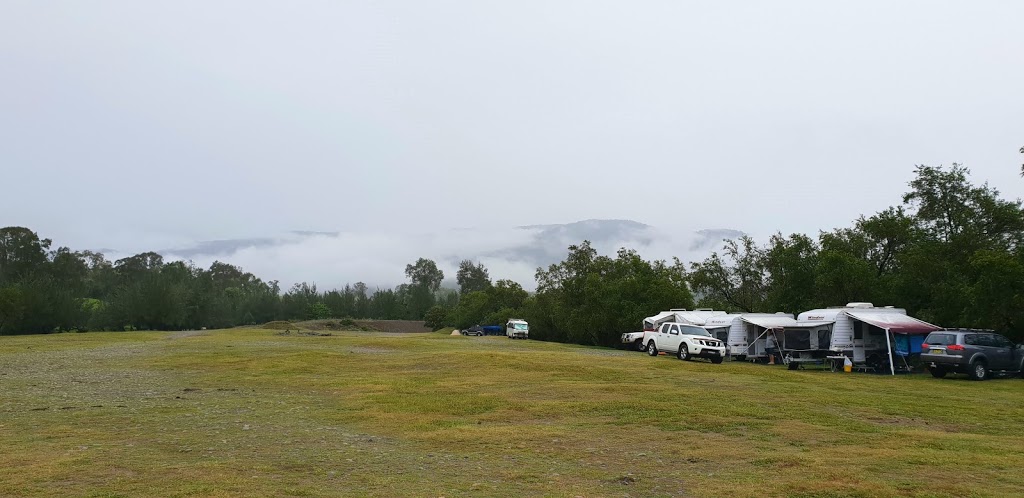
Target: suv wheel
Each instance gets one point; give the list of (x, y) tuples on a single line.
[(979, 370), (652, 349), (684, 352), (640, 345), (937, 372)]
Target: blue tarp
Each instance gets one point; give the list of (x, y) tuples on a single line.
[(906, 342)]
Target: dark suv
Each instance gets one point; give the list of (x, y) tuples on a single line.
[(977, 353)]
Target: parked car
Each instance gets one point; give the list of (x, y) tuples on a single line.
[(977, 353), (686, 342)]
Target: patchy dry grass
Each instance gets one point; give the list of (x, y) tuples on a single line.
[(248, 413)]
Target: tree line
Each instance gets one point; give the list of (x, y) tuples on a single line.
[(45, 290), (950, 253)]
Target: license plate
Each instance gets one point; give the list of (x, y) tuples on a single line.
[(936, 351)]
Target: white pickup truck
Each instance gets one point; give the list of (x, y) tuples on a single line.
[(638, 340), (686, 342)]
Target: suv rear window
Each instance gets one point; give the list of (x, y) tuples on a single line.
[(940, 339)]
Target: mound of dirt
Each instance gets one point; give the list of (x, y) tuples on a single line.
[(335, 324), (350, 325), (399, 326)]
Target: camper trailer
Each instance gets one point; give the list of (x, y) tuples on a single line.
[(638, 340), (873, 337), (746, 334)]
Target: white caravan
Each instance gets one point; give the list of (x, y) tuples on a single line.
[(746, 334), (638, 340), (517, 328), (869, 334)]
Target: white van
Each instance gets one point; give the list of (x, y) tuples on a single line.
[(517, 329)]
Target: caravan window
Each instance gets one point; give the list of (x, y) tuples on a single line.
[(824, 339), (858, 330)]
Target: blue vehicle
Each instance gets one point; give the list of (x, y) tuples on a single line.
[(477, 330)]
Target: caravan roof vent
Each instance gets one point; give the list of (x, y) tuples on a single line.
[(859, 305)]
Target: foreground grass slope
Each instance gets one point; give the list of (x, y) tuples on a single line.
[(250, 413)]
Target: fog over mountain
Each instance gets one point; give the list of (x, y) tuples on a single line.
[(332, 259)]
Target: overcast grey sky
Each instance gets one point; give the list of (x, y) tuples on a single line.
[(145, 125)]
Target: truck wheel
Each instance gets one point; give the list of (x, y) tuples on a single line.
[(639, 345), (937, 372), (684, 352), (979, 370), (716, 359), (652, 349)]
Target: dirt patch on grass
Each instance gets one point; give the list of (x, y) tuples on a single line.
[(187, 333)]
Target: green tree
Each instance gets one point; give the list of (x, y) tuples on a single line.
[(436, 317), (425, 280), (12, 308), (791, 265), (737, 280), (22, 253), (592, 299), (319, 311), (472, 277), (425, 273)]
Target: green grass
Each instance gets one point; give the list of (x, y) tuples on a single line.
[(249, 413)]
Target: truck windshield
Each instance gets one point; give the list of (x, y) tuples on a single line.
[(695, 331), (521, 326)]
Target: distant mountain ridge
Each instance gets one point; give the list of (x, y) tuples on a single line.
[(549, 243), (546, 245), (227, 247)]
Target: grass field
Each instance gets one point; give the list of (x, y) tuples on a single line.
[(250, 413)]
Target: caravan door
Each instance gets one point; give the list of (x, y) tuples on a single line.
[(858, 342)]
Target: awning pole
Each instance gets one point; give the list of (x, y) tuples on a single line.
[(755, 340), (892, 368)]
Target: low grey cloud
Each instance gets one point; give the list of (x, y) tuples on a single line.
[(379, 257)]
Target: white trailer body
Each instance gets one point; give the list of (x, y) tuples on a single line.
[(724, 328), (746, 333), (689, 317), (867, 333)]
